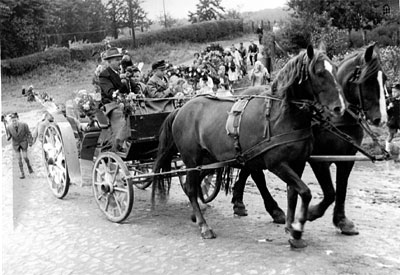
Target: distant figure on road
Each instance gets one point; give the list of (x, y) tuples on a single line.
[(260, 33), (253, 52), (21, 137), (243, 52)]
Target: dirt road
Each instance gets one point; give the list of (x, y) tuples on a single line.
[(44, 235)]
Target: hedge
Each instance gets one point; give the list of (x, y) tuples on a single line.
[(200, 32), (24, 64)]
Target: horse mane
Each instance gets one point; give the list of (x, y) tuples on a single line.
[(295, 70), (367, 69)]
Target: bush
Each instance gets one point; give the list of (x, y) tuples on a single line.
[(24, 64), (85, 52), (384, 35)]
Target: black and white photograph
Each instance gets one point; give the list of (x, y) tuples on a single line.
[(200, 137)]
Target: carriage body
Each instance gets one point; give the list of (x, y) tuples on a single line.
[(70, 146)]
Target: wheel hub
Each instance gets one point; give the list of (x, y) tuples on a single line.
[(106, 188)]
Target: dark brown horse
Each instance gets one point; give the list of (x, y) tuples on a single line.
[(363, 82), (197, 131)]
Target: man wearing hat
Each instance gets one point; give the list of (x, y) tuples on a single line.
[(21, 137), (109, 79), (157, 86)]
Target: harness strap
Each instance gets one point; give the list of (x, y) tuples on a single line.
[(275, 141), (361, 121)]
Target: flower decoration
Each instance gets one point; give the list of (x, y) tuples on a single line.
[(85, 103)]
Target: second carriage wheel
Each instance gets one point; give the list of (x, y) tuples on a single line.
[(211, 181), (112, 186), (137, 170), (53, 154)]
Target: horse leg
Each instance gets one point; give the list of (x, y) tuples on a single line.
[(238, 189), (295, 186), (270, 204), (323, 175), (345, 225), (191, 189)]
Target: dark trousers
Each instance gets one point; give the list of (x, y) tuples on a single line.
[(253, 59)]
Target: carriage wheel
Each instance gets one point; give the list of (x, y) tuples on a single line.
[(211, 181), (136, 170), (112, 187), (54, 161)]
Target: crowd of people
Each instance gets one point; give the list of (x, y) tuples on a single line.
[(215, 70)]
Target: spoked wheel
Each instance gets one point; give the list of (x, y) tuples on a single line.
[(211, 181), (136, 170), (54, 161), (112, 187)]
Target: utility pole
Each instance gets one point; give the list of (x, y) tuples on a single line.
[(165, 15)]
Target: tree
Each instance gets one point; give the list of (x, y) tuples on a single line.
[(233, 14), (117, 14), (348, 15), (207, 10), (126, 13), (167, 20), (22, 22)]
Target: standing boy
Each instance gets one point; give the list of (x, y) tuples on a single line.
[(21, 137)]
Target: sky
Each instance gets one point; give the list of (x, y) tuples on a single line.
[(180, 8)]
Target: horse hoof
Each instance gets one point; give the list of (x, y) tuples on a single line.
[(240, 212), (347, 227), (208, 234), (295, 243), (239, 209), (278, 216)]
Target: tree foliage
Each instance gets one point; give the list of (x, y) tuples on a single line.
[(28, 26), (355, 14), (207, 10), (21, 25), (167, 20)]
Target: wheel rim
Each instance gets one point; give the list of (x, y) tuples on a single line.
[(54, 160), (112, 189), (210, 184)]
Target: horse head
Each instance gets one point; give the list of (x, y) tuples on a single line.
[(363, 81), (312, 75)]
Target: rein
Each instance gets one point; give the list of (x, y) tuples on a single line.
[(319, 119), (360, 118)]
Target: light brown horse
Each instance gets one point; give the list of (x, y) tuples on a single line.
[(197, 131)]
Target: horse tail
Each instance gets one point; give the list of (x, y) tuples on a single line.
[(165, 152)]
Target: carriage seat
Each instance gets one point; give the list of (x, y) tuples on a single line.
[(101, 119)]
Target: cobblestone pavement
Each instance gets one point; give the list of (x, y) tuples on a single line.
[(45, 235)]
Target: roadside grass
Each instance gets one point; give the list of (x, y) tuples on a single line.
[(60, 82)]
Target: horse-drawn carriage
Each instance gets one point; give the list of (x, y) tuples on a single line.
[(68, 142), (276, 134)]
